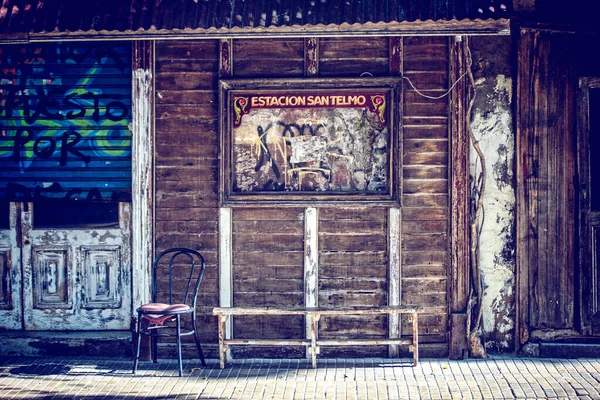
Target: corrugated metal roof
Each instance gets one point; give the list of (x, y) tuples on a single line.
[(31, 17)]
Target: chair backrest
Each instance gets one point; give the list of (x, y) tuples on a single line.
[(179, 259)]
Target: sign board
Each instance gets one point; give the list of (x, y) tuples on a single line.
[(309, 140)]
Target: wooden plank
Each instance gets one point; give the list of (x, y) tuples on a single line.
[(352, 243), (175, 96), (301, 310), (422, 227), (187, 49), (367, 47), (264, 226), (267, 243), (354, 214), (187, 81), (424, 200), (267, 214), (275, 260), (423, 271), (425, 158), (268, 49), (423, 131), (424, 214), (424, 172), (342, 226), (174, 65), (424, 258), (425, 145), (433, 242), (425, 186)]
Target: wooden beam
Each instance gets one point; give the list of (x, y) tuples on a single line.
[(459, 201), (226, 268), (311, 264), (395, 57), (394, 275), (142, 161), (311, 56), (226, 58)]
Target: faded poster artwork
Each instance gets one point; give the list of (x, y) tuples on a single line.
[(318, 149)]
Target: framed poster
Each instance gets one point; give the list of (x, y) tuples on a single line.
[(303, 141)]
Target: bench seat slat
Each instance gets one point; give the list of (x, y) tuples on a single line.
[(268, 342), (316, 310)]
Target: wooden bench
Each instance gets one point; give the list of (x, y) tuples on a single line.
[(315, 313)]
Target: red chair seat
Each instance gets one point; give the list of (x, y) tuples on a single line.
[(162, 311)]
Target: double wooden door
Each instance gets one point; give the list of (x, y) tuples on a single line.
[(64, 278)]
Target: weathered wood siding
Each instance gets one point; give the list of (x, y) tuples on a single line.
[(545, 183), (268, 251), (268, 243), (353, 257), (186, 163), (425, 254)]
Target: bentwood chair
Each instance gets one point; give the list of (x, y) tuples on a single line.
[(185, 268)]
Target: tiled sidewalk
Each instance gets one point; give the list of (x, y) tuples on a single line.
[(494, 378)]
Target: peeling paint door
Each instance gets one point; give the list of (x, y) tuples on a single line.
[(589, 201), (76, 278), (10, 268)]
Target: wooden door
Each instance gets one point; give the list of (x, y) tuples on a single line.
[(546, 185), (75, 277), (10, 268), (589, 203)]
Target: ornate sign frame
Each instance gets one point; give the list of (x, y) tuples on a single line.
[(310, 141)]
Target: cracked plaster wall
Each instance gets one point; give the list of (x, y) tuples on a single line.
[(492, 121)]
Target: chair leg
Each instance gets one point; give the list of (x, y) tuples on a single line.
[(198, 341), (154, 341), (179, 344), (138, 340)]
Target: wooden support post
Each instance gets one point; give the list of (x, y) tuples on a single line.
[(226, 271), (223, 350), (142, 162), (459, 276), (314, 350), (394, 276), (395, 56), (415, 345), (311, 56), (226, 58), (311, 268)]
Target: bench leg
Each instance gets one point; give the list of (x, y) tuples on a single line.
[(222, 320), (415, 323), (314, 331)]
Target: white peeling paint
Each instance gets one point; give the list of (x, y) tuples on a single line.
[(492, 124)]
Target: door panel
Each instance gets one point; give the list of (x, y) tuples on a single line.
[(589, 203), (77, 279), (10, 269), (546, 184)]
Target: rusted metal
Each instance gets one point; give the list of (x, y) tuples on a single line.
[(315, 313), (69, 18)]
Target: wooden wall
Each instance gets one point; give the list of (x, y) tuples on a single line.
[(186, 163), (425, 185), (268, 243)]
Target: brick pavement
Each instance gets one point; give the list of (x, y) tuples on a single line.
[(494, 378)]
